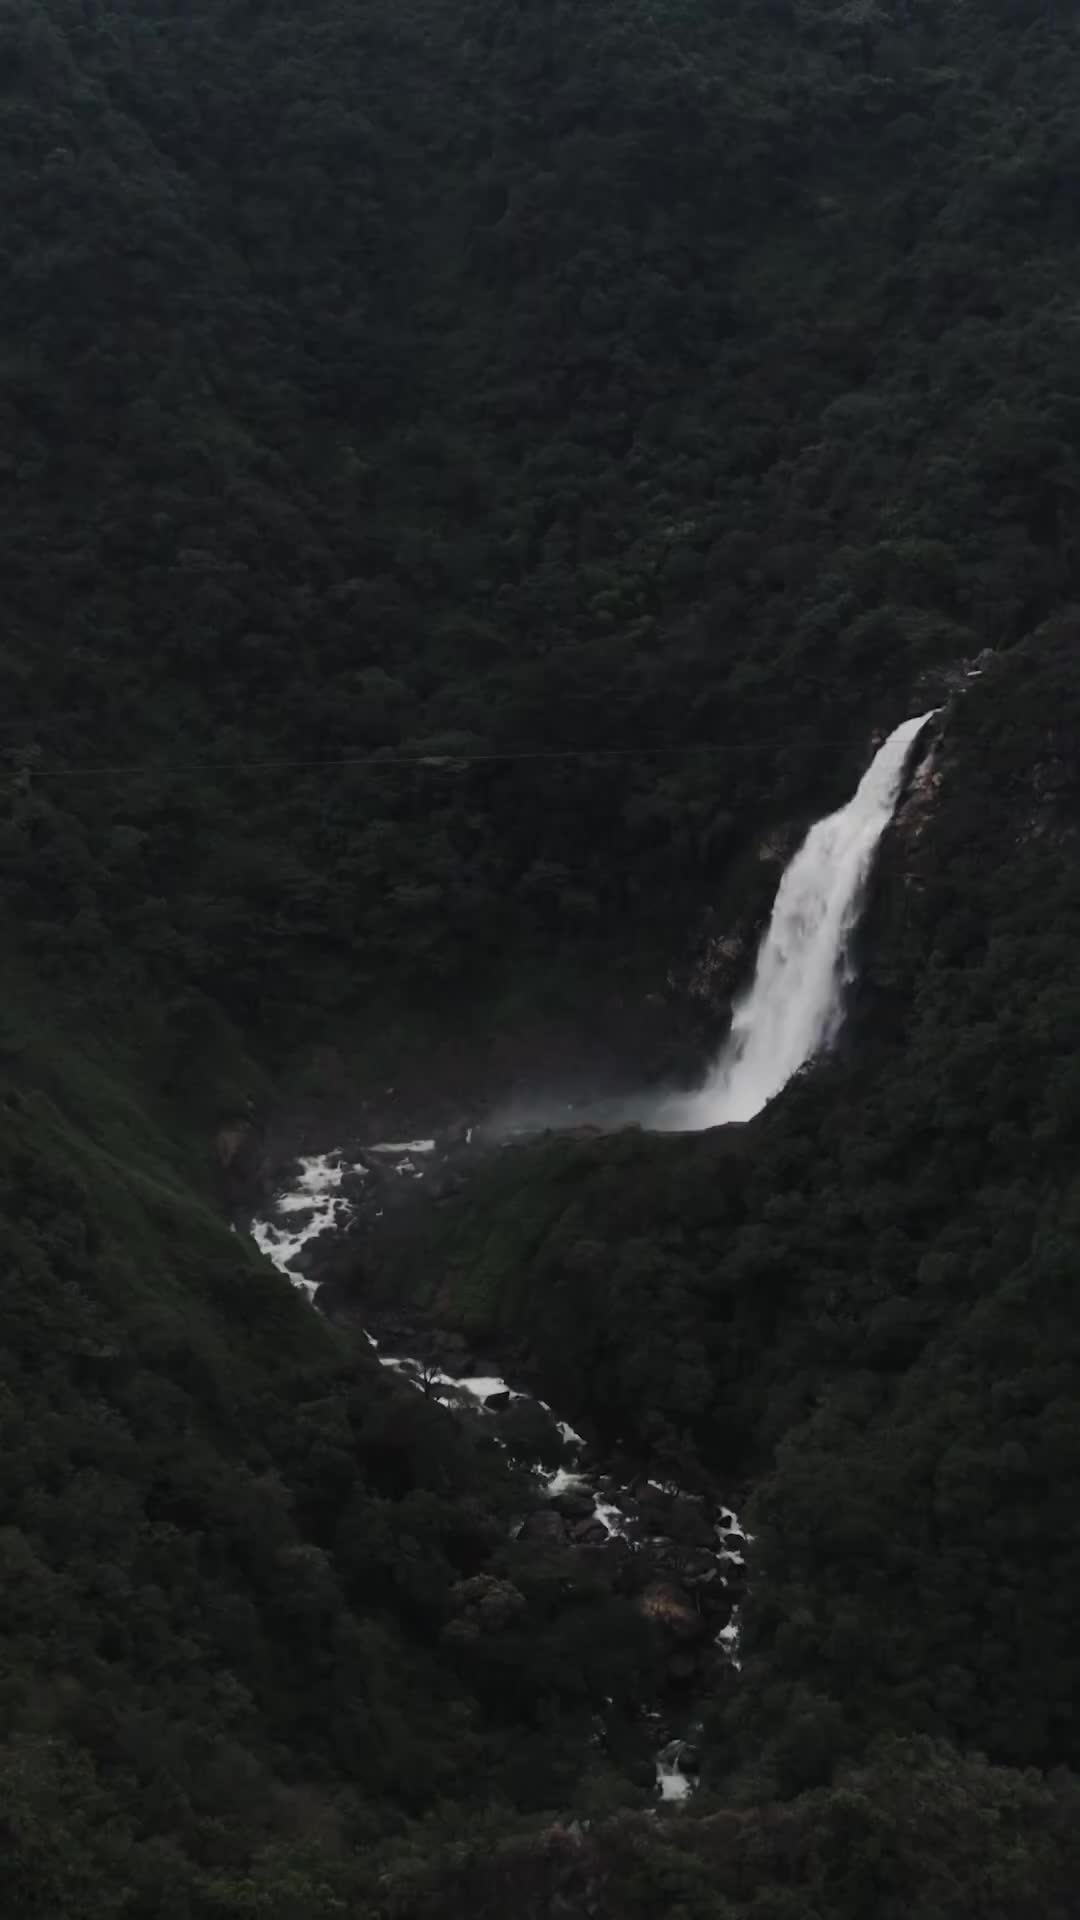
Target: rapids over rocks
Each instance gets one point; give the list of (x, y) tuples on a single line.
[(693, 1547)]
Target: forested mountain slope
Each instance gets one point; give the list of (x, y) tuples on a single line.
[(861, 1303), (389, 395), (380, 381)]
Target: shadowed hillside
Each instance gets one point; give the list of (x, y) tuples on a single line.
[(475, 483)]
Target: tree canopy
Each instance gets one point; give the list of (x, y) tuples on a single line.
[(475, 479)]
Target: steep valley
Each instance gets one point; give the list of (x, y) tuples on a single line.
[(539, 1088)]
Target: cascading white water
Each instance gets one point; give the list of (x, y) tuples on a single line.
[(795, 1002)]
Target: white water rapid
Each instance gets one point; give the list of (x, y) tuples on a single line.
[(795, 1002), (321, 1198)]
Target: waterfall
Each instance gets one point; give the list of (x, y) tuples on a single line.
[(795, 1002)]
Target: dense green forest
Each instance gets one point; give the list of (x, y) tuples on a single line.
[(471, 474)]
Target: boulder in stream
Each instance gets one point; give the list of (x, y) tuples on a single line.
[(530, 1433), (574, 1503), (546, 1526), (689, 1525), (589, 1533)]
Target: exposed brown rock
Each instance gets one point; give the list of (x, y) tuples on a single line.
[(672, 1609)]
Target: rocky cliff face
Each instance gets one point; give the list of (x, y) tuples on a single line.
[(240, 1157)]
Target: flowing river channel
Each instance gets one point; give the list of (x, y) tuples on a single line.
[(316, 1204), (695, 1548)]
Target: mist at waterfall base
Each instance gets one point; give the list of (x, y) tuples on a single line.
[(794, 1005)]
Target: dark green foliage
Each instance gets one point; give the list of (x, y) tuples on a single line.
[(229, 1554), (415, 385), (914, 1834), (864, 1302), (570, 377)]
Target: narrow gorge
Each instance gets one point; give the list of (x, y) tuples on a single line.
[(335, 1201), (540, 1041)]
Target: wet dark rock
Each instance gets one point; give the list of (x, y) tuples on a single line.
[(531, 1434), (697, 1567), (575, 1503), (397, 1195), (450, 1351), (309, 1257), (642, 1773), (718, 1605), (706, 1579), (689, 1524), (662, 1556), (654, 1505), (401, 1335), (588, 1533), (443, 1183), (615, 1555), (331, 1258), (547, 1526), (338, 1305), (296, 1221)]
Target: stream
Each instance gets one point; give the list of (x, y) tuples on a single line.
[(695, 1548), (690, 1549)]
